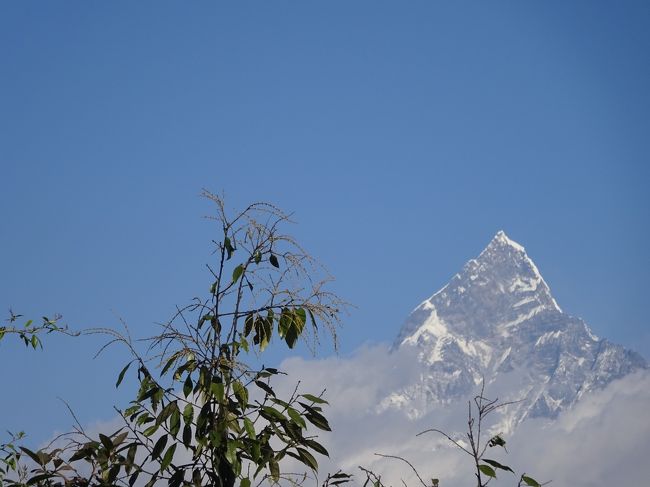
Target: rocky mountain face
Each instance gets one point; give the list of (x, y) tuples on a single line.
[(497, 321)]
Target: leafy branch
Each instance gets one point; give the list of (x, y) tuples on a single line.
[(29, 332)]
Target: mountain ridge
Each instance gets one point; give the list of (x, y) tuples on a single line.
[(496, 320)]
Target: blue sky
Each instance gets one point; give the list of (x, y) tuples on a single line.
[(402, 136)]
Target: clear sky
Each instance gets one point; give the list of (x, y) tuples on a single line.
[(402, 135)]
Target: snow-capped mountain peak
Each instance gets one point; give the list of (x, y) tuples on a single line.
[(502, 239), (499, 288), (497, 320)]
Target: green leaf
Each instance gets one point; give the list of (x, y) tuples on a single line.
[(258, 257), (265, 387), (308, 459), (84, 452), (312, 318), (187, 435), (159, 446), (218, 391), (263, 331), (274, 468), (530, 481), (291, 325), (143, 419), (314, 399), (188, 413), (284, 323), (340, 475), (106, 441), (130, 456), (248, 324), (34, 341), (166, 412), (293, 330), (241, 393), (487, 470), (301, 317), (264, 342), (250, 428), (317, 447), (187, 386), (229, 248), (146, 390), (202, 419), (120, 438), (32, 455), (237, 272), (497, 441), (245, 482), (280, 402), (256, 453), (296, 417), (175, 422), (167, 459), (150, 430), (169, 363), (133, 478), (274, 261), (121, 376), (317, 419), (496, 464), (271, 413), (231, 452), (156, 397), (216, 325)]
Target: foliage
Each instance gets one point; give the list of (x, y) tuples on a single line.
[(205, 417), (30, 331)]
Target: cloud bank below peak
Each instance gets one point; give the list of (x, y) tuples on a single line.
[(602, 440)]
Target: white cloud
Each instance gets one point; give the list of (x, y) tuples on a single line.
[(604, 440)]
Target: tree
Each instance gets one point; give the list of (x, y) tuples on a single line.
[(201, 415)]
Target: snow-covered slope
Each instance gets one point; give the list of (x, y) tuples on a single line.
[(497, 320)]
